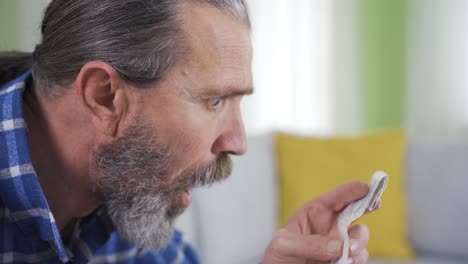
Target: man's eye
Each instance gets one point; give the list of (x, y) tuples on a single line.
[(215, 102)]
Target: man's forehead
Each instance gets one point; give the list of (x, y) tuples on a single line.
[(205, 84), (219, 54), (211, 32)]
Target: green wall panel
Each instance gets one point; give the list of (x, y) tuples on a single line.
[(8, 25), (383, 26)]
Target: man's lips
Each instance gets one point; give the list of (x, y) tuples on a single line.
[(185, 198)]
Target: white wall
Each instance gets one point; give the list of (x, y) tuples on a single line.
[(437, 103), (293, 67), (348, 110)]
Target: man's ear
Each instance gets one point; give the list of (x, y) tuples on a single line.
[(103, 95)]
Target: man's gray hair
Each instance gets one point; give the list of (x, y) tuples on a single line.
[(236, 8), (140, 39)]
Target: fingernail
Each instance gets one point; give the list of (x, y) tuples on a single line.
[(354, 245), (334, 246)]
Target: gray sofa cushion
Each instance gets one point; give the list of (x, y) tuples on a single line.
[(437, 182), (419, 261)]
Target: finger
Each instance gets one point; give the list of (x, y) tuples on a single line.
[(359, 236), (377, 207), (361, 258), (344, 194), (379, 204), (311, 247)]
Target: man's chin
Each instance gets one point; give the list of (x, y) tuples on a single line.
[(149, 231), (153, 237)]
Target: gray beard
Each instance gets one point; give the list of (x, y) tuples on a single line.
[(140, 200), (144, 222)]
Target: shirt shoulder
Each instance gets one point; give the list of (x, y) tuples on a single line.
[(116, 250)]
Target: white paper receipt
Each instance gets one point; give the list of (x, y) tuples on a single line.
[(357, 208)]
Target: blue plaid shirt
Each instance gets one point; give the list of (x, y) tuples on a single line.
[(28, 232)]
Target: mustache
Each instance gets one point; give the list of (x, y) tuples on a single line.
[(216, 171)]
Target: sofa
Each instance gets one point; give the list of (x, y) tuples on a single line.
[(233, 222)]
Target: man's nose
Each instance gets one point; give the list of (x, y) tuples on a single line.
[(233, 139)]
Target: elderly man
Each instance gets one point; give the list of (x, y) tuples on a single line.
[(122, 109)]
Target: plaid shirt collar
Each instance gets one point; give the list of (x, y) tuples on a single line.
[(20, 189)]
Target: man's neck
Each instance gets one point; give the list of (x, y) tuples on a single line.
[(59, 158)]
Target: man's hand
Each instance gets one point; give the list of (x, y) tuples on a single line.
[(311, 235)]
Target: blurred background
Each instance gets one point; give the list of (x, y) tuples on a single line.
[(337, 67), (328, 68)]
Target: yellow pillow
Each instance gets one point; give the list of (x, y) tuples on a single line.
[(309, 167)]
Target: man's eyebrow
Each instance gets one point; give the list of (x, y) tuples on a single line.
[(247, 91), (228, 92)]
